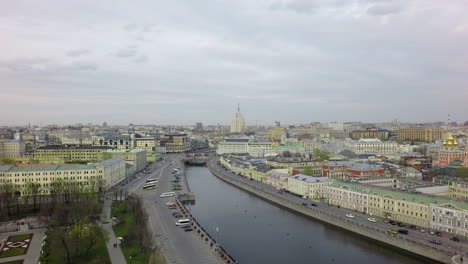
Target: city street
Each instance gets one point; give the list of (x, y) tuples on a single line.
[(414, 235), (178, 246)]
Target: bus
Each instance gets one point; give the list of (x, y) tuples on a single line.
[(167, 194), (155, 180), (149, 187)]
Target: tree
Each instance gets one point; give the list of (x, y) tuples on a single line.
[(7, 161), (321, 155), (307, 171), (286, 154)]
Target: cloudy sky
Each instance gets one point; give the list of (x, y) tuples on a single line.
[(181, 62)]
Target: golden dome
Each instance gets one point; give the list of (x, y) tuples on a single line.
[(450, 141)]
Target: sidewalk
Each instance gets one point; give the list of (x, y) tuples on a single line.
[(115, 254)]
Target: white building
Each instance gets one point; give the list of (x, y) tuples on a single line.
[(346, 197), (238, 123), (449, 218), (311, 187), (374, 146), (244, 146)]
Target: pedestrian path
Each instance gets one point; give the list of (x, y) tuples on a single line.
[(115, 253)]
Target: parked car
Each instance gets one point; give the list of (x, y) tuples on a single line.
[(385, 220), (438, 233), (392, 222), (392, 231), (455, 239), (422, 230), (350, 215), (437, 242), (371, 219), (313, 204), (413, 227), (188, 229), (304, 204), (431, 232), (400, 224)]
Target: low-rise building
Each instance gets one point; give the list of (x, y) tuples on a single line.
[(410, 172), (349, 169), (51, 179), (11, 149), (450, 217), (175, 143), (278, 179), (308, 186), (148, 144), (374, 146), (459, 189), (68, 153), (370, 133), (135, 157)]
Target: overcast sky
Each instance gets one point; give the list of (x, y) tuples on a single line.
[(181, 62)]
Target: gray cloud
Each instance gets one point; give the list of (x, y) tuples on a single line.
[(126, 52), (384, 9), (299, 6), (78, 52)]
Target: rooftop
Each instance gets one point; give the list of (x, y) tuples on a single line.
[(51, 147), (310, 179)]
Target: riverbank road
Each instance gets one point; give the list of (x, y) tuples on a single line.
[(414, 235), (178, 246)]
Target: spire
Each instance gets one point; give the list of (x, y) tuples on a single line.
[(238, 107)]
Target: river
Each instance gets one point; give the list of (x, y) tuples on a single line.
[(254, 231)]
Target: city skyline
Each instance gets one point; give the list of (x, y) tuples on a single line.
[(180, 63)]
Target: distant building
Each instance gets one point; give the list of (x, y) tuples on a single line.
[(244, 146), (238, 123), (428, 134), (347, 169), (11, 149), (449, 152), (369, 133), (410, 172), (148, 144), (199, 127), (374, 146), (135, 157), (175, 143), (311, 187), (67, 153), (276, 133)]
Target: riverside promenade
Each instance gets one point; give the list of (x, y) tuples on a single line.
[(416, 244)]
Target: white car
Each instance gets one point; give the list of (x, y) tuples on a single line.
[(371, 219), (350, 215)]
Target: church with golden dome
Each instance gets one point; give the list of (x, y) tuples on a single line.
[(450, 152)]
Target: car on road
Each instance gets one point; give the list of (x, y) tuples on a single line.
[(350, 215), (371, 219), (438, 233), (435, 241), (304, 204), (188, 229), (313, 204), (400, 224), (403, 231), (182, 222), (431, 232), (385, 220), (422, 230), (392, 232), (392, 222), (413, 227), (455, 239), (172, 206), (177, 215)]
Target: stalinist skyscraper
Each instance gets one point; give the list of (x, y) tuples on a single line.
[(238, 123)]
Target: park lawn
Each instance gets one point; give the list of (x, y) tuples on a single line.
[(130, 247), (97, 255), (14, 262), (13, 252), (19, 238)]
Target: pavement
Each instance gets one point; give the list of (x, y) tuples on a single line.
[(177, 245), (34, 250), (360, 218), (115, 254)]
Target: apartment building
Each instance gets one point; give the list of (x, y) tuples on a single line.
[(67, 153), (91, 177), (135, 157), (308, 186), (11, 149), (427, 134)]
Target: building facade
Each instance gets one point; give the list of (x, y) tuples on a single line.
[(374, 146), (53, 178), (67, 153), (238, 123), (11, 149), (427, 134)]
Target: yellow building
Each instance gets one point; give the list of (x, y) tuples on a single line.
[(135, 157), (11, 149), (58, 178), (148, 144), (64, 153), (459, 190), (429, 134), (276, 133), (175, 143)]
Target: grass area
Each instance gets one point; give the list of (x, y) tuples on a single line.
[(56, 254), (157, 257), (13, 262), (13, 252), (19, 238), (131, 247)]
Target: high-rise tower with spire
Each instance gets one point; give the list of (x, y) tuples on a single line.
[(238, 123)]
